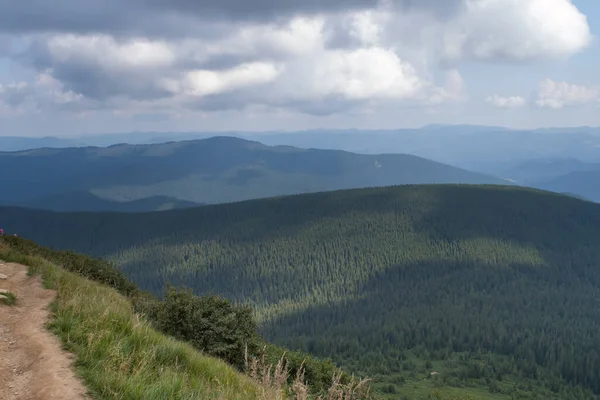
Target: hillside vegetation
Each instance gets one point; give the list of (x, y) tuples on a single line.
[(215, 170), (471, 290), (121, 356), (111, 326)]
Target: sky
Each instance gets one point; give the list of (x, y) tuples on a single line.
[(83, 66)]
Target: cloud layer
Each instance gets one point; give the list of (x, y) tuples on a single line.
[(317, 57)]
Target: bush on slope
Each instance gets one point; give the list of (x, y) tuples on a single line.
[(211, 324)]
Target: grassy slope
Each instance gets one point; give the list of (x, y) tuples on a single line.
[(120, 356), (324, 269)]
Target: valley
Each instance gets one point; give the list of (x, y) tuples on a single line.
[(493, 288)]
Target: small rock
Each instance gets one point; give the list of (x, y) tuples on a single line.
[(2, 291), (3, 277)]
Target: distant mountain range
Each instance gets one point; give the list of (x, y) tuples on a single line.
[(215, 170), (561, 175), (19, 143), (536, 171), (557, 159), (475, 148), (585, 184), (86, 201), (465, 146)]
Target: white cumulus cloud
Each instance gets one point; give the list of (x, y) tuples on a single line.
[(506, 102), (365, 73), (516, 30), (302, 56), (204, 82), (43, 94), (556, 95)]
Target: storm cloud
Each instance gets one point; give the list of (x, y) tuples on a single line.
[(176, 17)]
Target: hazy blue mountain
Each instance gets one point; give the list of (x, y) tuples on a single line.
[(215, 170), (526, 157), (475, 148), (86, 201), (16, 143), (562, 175), (480, 148), (585, 184), (539, 170)]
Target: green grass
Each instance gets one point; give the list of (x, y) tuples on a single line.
[(422, 385), (119, 356), (318, 373), (8, 298)]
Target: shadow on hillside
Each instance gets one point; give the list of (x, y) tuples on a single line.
[(515, 310), (442, 212)]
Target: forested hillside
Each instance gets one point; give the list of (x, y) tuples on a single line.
[(133, 354), (215, 170), (482, 290)]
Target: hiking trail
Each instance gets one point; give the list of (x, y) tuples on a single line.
[(33, 365)]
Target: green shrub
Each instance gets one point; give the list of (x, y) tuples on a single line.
[(8, 298), (211, 324), (92, 268)]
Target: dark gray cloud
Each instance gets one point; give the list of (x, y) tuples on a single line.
[(61, 15), (321, 107), (5, 45), (220, 62), (84, 77), (257, 9), (151, 17), (119, 19), (241, 100), (440, 8), (169, 18), (100, 85)]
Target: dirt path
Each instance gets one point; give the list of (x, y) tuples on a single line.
[(32, 364)]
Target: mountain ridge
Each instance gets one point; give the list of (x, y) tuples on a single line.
[(87, 201), (213, 170)]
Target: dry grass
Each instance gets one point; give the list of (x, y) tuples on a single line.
[(273, 379)]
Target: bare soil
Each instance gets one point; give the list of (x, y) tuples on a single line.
[(33, 365)]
